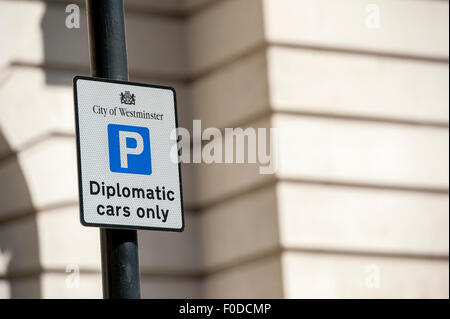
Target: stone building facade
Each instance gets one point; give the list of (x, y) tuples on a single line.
[(358, 206)]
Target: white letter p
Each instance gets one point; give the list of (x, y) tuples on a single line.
[(124, 150)]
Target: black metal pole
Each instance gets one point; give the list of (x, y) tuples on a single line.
[(120, 262)]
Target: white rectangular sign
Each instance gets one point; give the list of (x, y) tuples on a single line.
[(128, 175)]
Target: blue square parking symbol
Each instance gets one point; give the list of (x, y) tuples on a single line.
[(129, 149)]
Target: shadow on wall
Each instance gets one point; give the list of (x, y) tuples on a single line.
[(19, 250), (64, 48), (20, 265)]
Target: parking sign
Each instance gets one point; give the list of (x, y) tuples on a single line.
[(128, 175)]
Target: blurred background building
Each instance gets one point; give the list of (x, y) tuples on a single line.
[(359, 206)]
